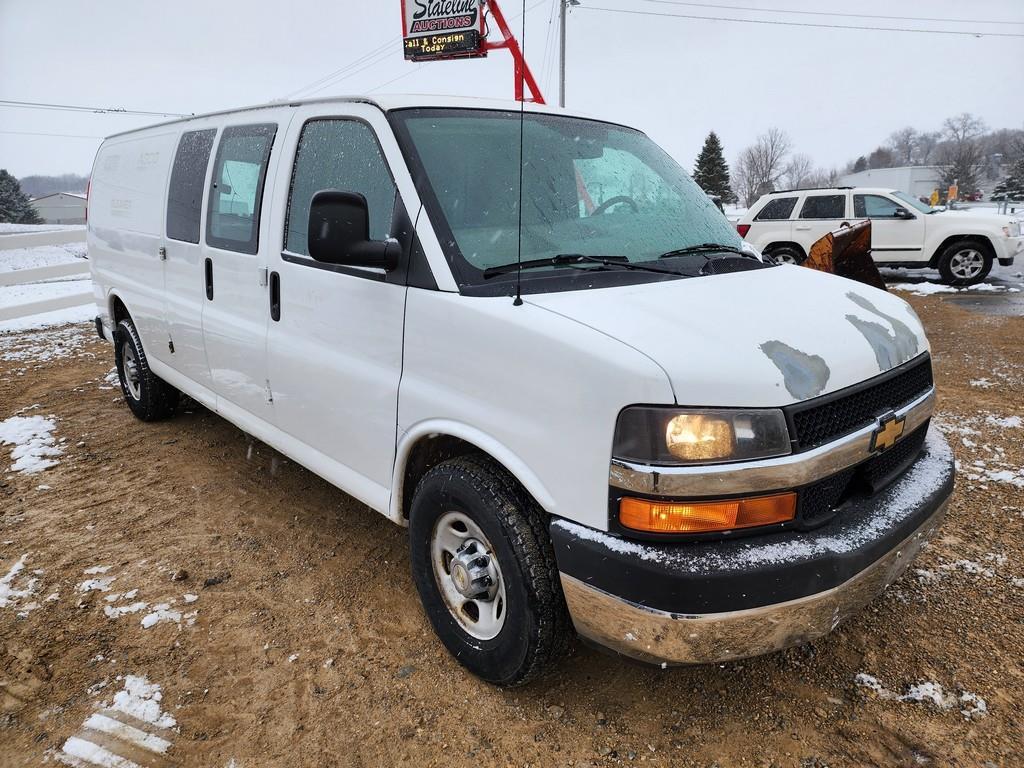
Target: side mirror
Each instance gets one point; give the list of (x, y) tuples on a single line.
[(339, 232), (902, 213)]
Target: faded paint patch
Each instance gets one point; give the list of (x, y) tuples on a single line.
[(891, 348), (804, 375)]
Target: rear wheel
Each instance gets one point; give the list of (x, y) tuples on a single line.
[(786, 254), (965, 262), (149, 397), (485, 571)]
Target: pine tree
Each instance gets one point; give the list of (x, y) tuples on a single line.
[(712, 172), (14, 204), (1012, 187)]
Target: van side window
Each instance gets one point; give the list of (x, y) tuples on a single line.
[(185, 196), (344, 155), (824, 207), (874, 207), (779, 208), (233, 221)]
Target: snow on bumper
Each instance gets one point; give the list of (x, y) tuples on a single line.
[(716, 601)]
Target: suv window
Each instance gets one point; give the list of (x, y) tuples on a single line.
[(344, 155), (233, 221), (874, 207), (779, 208), (824, 207), (185, 196)]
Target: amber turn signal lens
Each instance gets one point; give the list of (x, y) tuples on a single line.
[(704, 516)]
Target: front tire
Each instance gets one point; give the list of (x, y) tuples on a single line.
[(965, 262), (485, 571), (149, 397)]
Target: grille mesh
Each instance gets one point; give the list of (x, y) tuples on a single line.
[(815, 425)]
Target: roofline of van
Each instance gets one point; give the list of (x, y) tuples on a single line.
[(413, 100)]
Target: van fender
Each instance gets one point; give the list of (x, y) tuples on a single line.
[(484, 442)]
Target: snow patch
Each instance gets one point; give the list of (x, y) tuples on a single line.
[(971, 705), (11, 594), (32, 437)]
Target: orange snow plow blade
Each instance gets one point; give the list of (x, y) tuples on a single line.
[(847, 253)]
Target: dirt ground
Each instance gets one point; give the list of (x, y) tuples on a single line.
[(308, 647)]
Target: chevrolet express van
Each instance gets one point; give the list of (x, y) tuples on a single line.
[(591, 406)]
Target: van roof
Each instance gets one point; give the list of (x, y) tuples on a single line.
[(385, 103)]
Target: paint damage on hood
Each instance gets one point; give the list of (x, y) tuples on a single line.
[(753, 339)]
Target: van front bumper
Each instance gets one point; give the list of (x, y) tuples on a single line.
[(713, 601)]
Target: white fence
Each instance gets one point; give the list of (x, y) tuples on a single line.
[(39, 274)]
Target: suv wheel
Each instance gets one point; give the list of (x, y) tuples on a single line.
[(485, 570), (786, 254), (149, 397), (965, 262)]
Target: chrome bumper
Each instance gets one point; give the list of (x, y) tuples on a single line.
[(669, 638)]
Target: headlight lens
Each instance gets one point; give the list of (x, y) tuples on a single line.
[(650, 435)]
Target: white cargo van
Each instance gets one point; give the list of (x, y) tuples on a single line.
[(594, 409)]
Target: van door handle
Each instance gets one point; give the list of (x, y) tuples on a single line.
[(803, 228), (209, 279), (275, 296)]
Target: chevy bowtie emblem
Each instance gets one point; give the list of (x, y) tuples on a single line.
[(890, 429)]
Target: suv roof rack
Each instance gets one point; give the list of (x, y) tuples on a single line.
[(806, 189)]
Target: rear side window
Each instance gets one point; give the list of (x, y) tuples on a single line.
[(185, 195), (874, 207), (236, 194), (779, 208), (824, 207), (343, 155)]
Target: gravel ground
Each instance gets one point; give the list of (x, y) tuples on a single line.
[(278, 624)]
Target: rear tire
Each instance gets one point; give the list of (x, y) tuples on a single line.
[(469, 511), (965, 262), (786, 254), (149, 397)]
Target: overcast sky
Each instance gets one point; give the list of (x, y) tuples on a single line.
[(838, 93)]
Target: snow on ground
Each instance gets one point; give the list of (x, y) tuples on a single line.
[(34, 447), (134, 720), (927, 289), (41, 256), (26, 229), (81, 315), (16, 587), (40, 348), (988, 462), (11, 295), (971, 705)]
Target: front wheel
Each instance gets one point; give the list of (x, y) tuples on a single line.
[(149, 397), (965, 262), (787, 254), (485, 571)]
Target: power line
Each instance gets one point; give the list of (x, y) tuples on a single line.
[(800, 23), (96, 110), (59, 135), (715, 6), (346, 67)]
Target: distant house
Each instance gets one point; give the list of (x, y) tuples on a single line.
[(916, 180), (60, 208)]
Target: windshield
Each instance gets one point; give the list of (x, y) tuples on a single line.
[(922, 207), (588, 188)]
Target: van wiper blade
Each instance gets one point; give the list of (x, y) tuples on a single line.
[(707, 248), (571, 259)]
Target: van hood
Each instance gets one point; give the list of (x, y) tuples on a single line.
[(763, 338)]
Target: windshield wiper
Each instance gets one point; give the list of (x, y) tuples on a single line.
[(707, 248), (570, 259)]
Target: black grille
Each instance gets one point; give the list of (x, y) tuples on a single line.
[(818, 501), (825, 419)]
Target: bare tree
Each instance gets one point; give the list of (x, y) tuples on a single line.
[(798, 169), (925, 149), (903, 144), (762, 165), (962, 152)]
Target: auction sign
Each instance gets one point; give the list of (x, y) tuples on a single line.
[(442, 29)]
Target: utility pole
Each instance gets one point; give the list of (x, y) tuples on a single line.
[(563, 8)]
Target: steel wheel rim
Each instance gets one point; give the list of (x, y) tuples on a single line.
[(967, 263), (130, 364), (452, 544)]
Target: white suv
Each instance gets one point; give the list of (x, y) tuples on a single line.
[(904, 232)]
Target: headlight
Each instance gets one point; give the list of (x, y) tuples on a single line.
[(650, 435)]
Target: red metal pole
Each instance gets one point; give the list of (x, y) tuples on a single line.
[(522, 69)]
